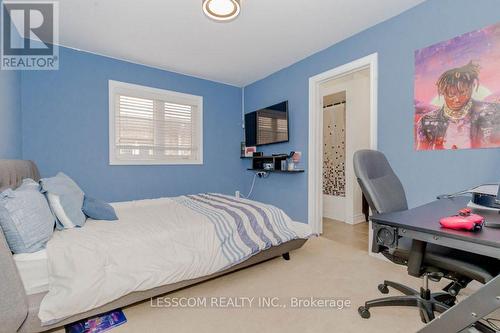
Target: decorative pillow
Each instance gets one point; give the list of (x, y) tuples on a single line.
[(98, 210), (25, 218), (65, 199)]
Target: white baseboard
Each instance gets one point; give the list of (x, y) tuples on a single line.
[(356, 219)]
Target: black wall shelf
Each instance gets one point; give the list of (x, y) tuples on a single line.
[(279, 171), (258, 163)]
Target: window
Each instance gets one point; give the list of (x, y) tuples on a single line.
[(154, 126)]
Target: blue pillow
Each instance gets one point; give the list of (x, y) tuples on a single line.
[(65, 199), (98, 210), (25, 218)]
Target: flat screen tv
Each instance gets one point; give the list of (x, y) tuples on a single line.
[(268, 125)]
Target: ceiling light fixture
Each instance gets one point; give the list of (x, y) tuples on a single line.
[(222, 10)]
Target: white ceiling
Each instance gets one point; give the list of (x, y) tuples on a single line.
[(175, 35)]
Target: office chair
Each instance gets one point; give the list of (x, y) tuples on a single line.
[(385, 193)]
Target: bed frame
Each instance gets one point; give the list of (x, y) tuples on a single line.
[(19, 312)]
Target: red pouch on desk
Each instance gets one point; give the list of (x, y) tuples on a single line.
[(464, 221)]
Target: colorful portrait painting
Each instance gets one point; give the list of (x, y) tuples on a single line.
[(457, 92)]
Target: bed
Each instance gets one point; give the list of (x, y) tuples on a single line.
[(29, 289)]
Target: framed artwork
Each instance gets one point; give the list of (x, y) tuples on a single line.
[(457, 92)]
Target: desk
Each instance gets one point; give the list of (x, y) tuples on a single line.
[(421, 224)]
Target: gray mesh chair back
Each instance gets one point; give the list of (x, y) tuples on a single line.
[(380, 185)]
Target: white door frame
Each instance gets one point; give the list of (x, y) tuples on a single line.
[(315, 174)]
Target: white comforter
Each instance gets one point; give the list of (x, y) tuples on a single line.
[(156, 242)]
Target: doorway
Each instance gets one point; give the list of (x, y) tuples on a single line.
[(342, 120)]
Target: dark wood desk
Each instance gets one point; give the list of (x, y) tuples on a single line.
[(421, 224)]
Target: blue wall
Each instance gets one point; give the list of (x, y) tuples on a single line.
[(10, 115), (424, 174), (10, 111), (65, 117), (65, 128)]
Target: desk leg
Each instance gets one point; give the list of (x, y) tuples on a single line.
[(416, 257), (467, 312)]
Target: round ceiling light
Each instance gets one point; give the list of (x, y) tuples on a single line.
[(222, 10)]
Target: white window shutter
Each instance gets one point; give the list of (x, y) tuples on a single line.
[(178, 131), (151, 128)]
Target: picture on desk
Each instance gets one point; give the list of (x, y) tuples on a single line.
[(457, 92)]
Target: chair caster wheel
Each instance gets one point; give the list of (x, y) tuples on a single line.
[(363, 312), (383, 288)]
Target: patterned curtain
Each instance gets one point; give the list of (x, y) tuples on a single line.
[(334, 150)]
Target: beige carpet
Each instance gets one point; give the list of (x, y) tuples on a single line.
[(322, 268), (350, 235)]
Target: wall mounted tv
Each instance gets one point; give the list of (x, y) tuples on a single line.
[(268, 125)]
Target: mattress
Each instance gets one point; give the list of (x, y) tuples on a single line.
[(154, 243), (33, 270)]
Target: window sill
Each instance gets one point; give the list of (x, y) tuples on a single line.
[(172, 162)]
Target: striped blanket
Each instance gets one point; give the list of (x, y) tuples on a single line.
[(157, 242), (244, 227)]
